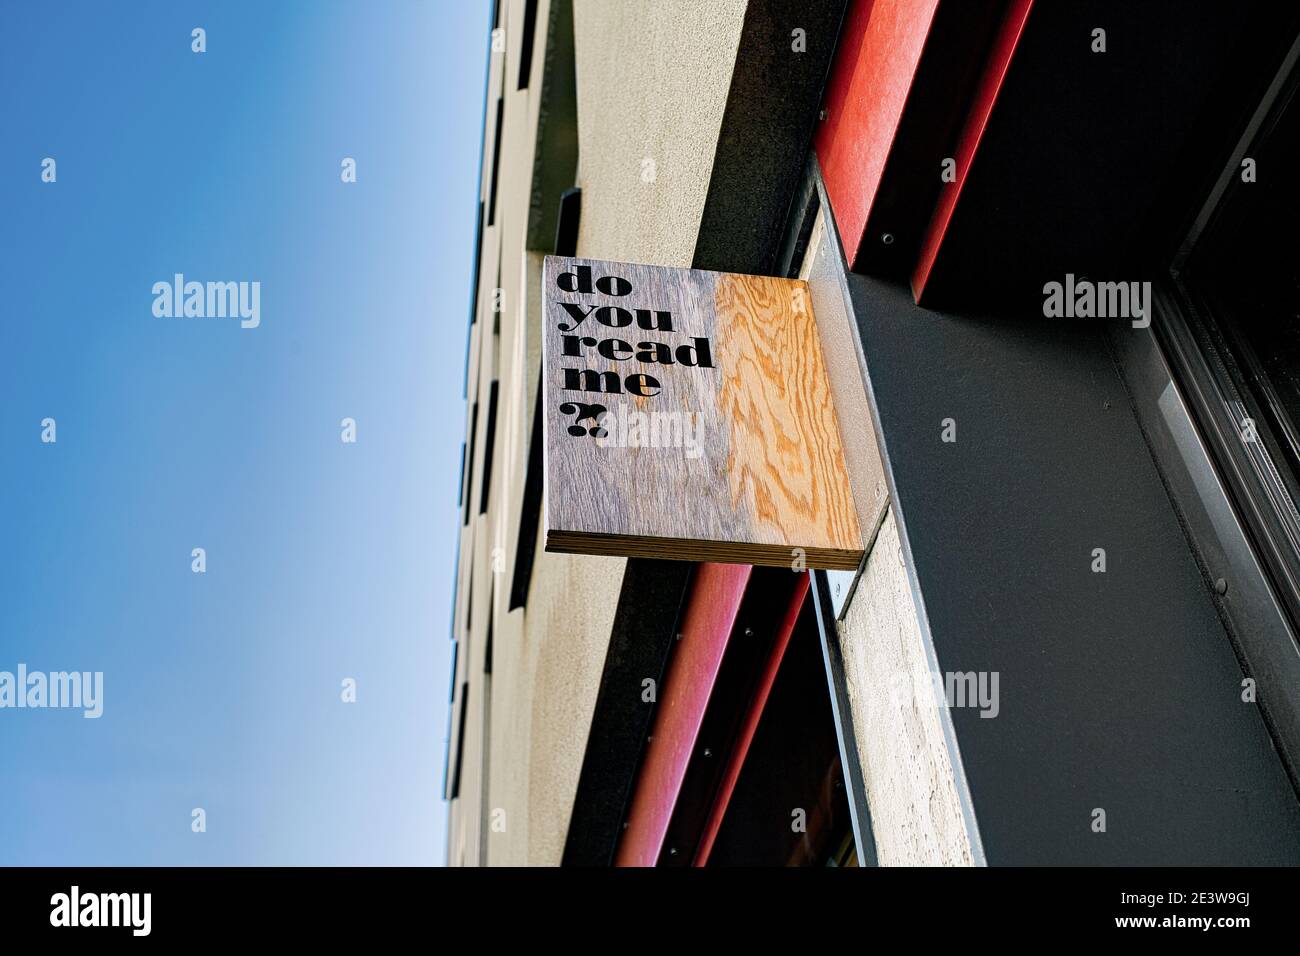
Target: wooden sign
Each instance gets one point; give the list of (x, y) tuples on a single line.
[(687, 415)]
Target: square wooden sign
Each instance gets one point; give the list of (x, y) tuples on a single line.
[(687, 415)]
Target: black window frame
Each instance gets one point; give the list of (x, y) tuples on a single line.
[(1237, 498)]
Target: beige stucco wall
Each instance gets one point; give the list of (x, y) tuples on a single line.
[(652, 82), (653, 79), (552, 655), (913, 790)]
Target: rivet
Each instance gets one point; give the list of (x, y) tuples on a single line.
[(887, 238), (708, 752), (1221, 586)]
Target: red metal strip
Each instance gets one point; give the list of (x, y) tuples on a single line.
[(995, 71), (711, 610), (880, 48), (753, 714)]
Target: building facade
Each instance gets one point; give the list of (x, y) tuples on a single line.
[(1061, 339)]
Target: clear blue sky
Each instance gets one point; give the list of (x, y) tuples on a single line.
[(325, 560)]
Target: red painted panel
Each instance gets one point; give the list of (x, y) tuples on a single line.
[(754, 712), (995, 71), (710, 615), (880, 46)]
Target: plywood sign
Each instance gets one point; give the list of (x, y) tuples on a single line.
[(687, 415)]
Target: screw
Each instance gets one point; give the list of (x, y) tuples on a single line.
[(823, 114)]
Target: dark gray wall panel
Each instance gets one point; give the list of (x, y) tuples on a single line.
[(1117, 690), (772, 108)]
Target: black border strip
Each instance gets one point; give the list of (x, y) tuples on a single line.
[(850, 759), (642, 637)]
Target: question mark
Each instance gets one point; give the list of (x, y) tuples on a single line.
[(581, 411)]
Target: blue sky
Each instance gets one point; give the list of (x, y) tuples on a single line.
[(325, 560)]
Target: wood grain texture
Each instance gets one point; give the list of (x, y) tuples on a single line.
[(784, 460), (734, 457)]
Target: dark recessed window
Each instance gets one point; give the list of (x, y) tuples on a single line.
[(496, 163), (1240, 290), (526, 49)]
